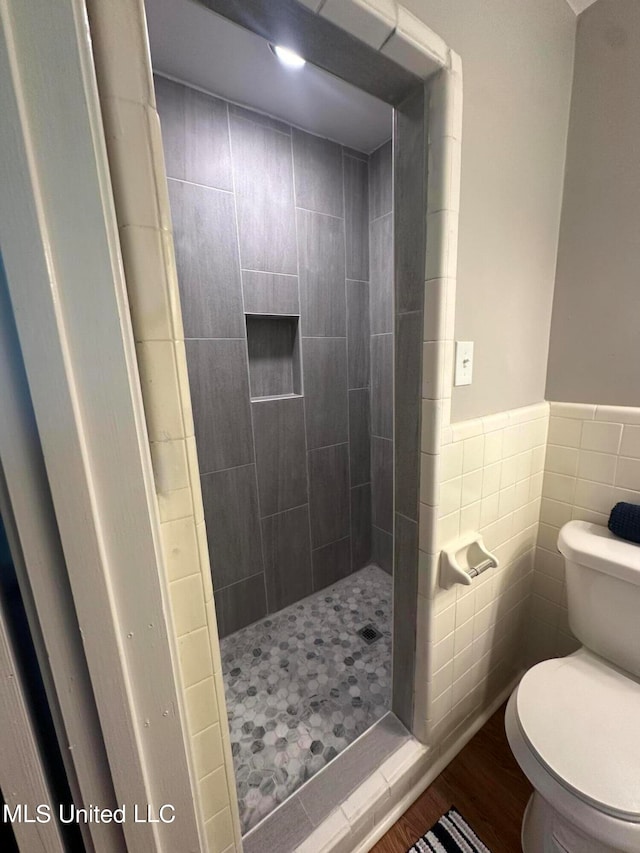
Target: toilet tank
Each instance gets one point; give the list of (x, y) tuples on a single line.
[(603, 592)]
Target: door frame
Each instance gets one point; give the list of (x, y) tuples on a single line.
[(60, 247), (23, 776), (30, 522)]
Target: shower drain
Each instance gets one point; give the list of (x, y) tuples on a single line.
[(369, 634)]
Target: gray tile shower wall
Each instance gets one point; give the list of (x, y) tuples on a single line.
[(287, 554), (359, 437), (382, 485), (207, 258), (331, 563), (325, 389), (358, 333), (281, 457), (263, 182), (382, 386), (322, 274), (381, 181), (195, 135), (274, 246), (266, 293), (356, 199), (233, 523), (381, 274), (410, 177), (318, 168), (329, 494), (220, 399), (360, 524), (381, 348)]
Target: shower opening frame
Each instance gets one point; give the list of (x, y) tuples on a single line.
[(340, 54), (110, 71)]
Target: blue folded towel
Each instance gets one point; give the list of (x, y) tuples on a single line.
[(624, 521)]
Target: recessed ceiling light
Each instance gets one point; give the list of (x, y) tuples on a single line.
[(287, 56)]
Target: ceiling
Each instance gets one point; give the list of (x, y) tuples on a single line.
[(580, 5), (192, 44)]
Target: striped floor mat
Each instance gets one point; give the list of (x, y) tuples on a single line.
[(451, 834)]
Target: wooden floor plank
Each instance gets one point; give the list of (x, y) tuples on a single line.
[(484, 783)]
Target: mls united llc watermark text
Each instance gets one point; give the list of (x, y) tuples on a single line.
[(69, 813)]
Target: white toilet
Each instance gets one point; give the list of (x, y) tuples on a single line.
[(573, 723)]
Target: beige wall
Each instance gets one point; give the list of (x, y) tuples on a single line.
[(593, 355), (517, 59)]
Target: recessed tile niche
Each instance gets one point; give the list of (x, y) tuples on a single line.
[(274, 356)]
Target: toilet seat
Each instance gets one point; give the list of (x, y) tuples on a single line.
[(580, 718)]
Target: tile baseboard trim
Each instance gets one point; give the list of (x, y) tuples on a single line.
[(337, 835)]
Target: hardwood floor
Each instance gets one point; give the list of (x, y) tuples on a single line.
[(484, 783)]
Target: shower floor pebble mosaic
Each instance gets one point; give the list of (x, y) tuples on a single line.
[(301, 685)]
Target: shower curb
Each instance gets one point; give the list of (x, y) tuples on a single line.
[(368, 813)]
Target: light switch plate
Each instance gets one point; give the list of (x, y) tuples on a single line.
[(464, 363)]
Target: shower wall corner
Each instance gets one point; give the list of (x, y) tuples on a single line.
[(410, 183)]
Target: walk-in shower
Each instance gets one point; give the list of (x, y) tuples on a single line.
[(284, 242)]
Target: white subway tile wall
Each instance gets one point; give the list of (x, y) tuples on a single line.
[(491, 479), (592, 462)]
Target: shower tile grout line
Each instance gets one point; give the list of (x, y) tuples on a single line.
[(246, 351), (346, 312), (304, 397)]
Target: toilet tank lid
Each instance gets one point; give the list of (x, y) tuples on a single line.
[(596, 547)]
